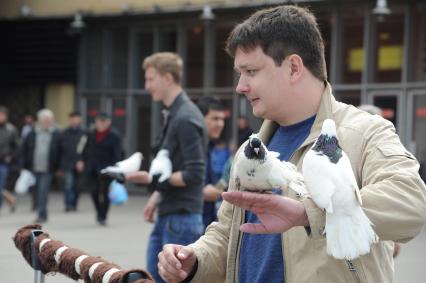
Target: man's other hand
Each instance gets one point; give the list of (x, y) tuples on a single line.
[(176, 262)]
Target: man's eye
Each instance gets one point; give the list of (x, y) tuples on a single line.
[(251, 72)]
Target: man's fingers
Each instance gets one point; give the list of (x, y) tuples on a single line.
[(246, 200), (169, 252), (167, 276), (185, 253), (170, 270), (251, 228)]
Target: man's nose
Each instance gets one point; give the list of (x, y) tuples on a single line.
[(242, 86)]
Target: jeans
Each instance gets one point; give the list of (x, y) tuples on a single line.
[(70, 189), (181, 229), (4, 171), (43, 182)]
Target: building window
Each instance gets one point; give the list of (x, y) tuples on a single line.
[(93, 59), (119, 60), (349, 97), (168, 39), (144, 48), (419, 62), (389, 48), (353, 50), (389, 106), (194, 56), (224, 74)]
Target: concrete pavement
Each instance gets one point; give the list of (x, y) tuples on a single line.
[(124, 239)]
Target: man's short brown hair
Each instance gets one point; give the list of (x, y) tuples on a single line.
[(280, 32), (165, 62)]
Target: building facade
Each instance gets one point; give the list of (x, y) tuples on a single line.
[(371, 59)]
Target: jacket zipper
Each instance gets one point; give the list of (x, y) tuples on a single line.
[(237, 257), (353, 270)]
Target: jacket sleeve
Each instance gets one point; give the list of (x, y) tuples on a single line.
[(62, 146), (212, 248), (117, 150), (14, 144), (393, 193), (57, 139), (191, 146), (24, 152)]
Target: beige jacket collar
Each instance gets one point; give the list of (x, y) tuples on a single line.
[(325, 111)]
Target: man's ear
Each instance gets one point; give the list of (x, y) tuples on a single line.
[(169, 78), (296, 67)]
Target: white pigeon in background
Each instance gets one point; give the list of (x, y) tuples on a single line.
[(331, 183), (124, 167), (260, 170), (161, 165)]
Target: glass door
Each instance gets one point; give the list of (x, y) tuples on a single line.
[(390, 104), (417, 127)]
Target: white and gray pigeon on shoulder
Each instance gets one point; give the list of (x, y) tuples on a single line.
[(161, 165), (259, 170), (331, 183), (124, 167)]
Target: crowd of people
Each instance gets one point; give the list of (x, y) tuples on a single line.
[(279, 56), (73, 157)]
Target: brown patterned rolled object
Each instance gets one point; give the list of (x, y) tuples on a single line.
[(55, 256), (22, 240), (70, 256), (47, 254)]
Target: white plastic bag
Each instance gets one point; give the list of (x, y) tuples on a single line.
[(25, 181)]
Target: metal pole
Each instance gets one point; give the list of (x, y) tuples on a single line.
[(35, 261), (133, 276)]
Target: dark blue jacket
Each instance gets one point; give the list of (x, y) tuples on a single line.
[(72, 138)]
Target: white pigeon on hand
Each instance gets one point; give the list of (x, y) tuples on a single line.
[(332, 186), (259, 170), (124, 167), (161, 165)]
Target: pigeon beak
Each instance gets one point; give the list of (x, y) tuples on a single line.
[(256, 150)]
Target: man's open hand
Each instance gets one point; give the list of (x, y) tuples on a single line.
[(276, 213)]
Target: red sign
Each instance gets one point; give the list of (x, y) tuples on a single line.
[(227, 113), (421, 112), (388, 113), (119, 112), (92, 112)]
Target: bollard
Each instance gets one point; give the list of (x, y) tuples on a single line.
[(35, 261)]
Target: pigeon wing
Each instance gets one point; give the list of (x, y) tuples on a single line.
[(347, 174), (320, 179)]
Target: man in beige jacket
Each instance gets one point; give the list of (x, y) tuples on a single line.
[(279, 54)]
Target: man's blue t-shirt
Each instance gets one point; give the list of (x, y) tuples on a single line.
[(261, 255)]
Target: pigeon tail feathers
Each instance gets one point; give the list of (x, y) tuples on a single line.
[(349, 236)]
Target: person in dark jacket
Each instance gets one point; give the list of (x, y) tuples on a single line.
[(103, 149), (179, 199), (41, 153), (74, 139), (8, 150)]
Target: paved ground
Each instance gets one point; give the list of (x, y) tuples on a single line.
[(124, 239)]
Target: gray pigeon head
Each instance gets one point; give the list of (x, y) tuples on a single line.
[(327, 143), (255, 148)]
